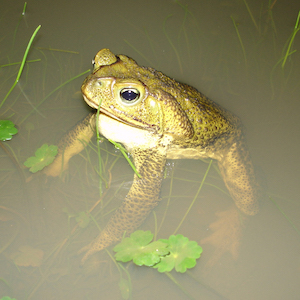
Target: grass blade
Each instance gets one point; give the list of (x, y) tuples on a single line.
[(22, 64)]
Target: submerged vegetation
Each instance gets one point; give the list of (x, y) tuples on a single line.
[(22, 65), (291, 41), (7, 129)]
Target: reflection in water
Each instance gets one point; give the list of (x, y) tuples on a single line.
[(203, 40)]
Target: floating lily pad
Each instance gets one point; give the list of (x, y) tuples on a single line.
[(44, 156), (7, 130), (27, 256), (183, 254), (137, 248), (7, 298), (177, 252)]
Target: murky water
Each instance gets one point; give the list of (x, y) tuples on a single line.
[(195, 42)]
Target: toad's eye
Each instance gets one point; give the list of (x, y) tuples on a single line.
[(129, 95)]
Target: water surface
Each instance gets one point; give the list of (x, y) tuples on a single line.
[(195, 42)]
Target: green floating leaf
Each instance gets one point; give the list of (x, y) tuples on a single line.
[(7, 298), (83, 219), (137, 248), (183, 254), (7, 130), (44, 156)]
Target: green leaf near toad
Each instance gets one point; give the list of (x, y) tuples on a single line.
[(44, 156), (7, 130), (164, 254)]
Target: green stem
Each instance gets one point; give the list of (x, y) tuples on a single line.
[(251, 16), (123, 151), (19, 62), (200, 187), (296, 29), (22, 15), (177, 283), (284, 214), (98, 148), (60, 86), (24, 9), (171, 43), (22, 64), (240, 39)]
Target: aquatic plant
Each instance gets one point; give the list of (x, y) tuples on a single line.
[(7, 130), (291, 41), (164, 254), (44, 156)]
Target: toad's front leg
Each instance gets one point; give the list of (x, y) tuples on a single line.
[(142, 197)]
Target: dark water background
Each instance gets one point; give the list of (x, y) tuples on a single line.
[(196, 43)]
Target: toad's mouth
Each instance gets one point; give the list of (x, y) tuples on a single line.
[(114, 113)]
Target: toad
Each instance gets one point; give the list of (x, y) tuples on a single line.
[(156, 118)]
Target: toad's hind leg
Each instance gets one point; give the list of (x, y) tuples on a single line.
[(238, 174)]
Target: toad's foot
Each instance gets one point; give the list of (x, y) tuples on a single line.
[(104, 240), (227, 231)]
